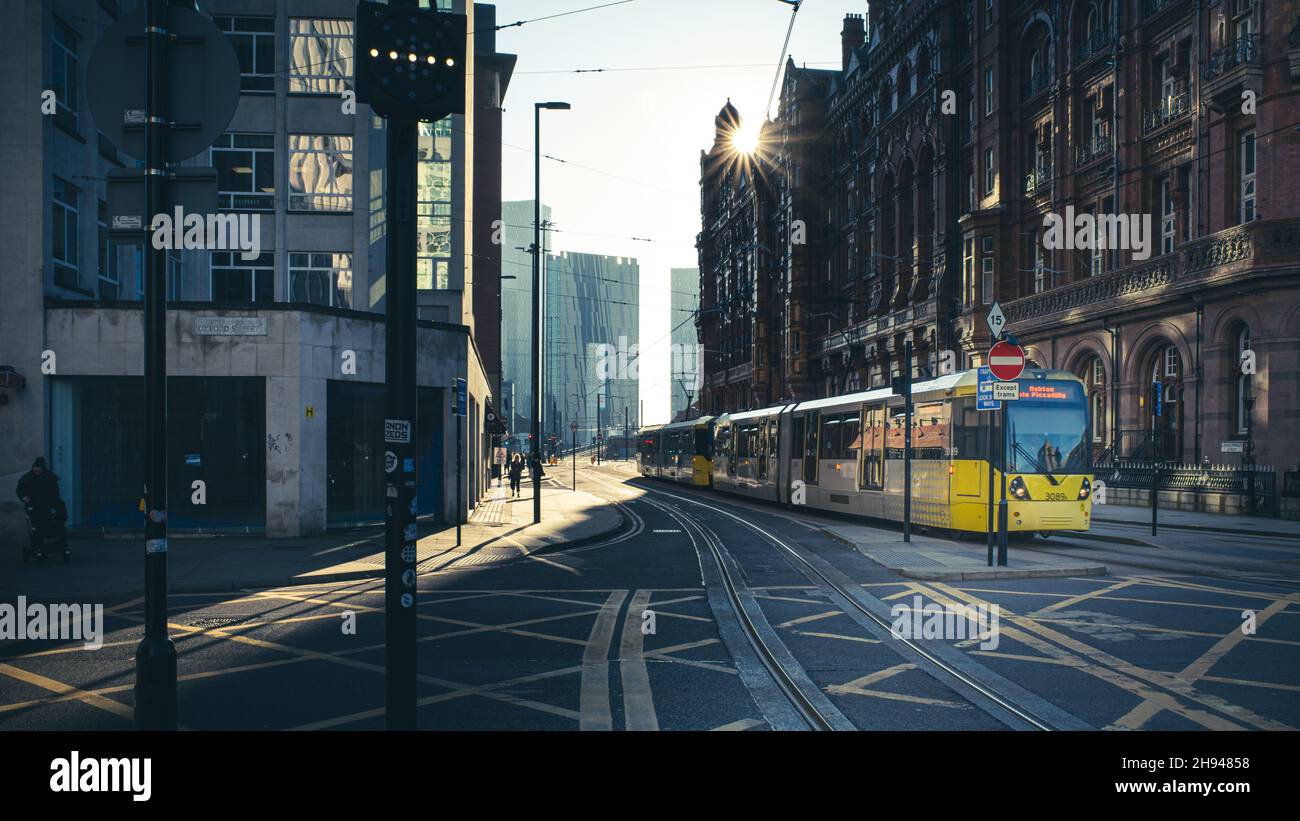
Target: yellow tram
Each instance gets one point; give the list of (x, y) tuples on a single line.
[(680, 451), (845, 454)]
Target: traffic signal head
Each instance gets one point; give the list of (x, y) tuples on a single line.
[(410, 62)]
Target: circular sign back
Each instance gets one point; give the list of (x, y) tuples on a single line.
[(201, 86)]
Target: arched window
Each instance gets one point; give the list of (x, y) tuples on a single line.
[(1093, 376), (1164, 414), (904, 82), (1095, 22), (923, 66), (1243, 386)]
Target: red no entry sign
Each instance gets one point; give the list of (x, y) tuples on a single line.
[(1006, 361)]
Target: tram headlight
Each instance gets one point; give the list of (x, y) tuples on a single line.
[(1085, 490), (1018, 488)]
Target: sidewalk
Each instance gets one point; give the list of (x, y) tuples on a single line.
[(1127, 517), (934, 559), (1197, 543), (499, 530)]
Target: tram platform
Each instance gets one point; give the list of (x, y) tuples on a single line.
[(929, 558)]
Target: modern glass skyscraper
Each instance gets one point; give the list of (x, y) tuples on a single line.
[(517, 310), (592, 338), (684, 366)]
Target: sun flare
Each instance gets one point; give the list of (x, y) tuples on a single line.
[(745, 138)]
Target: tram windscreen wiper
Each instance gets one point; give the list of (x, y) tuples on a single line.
[(1033, 460)]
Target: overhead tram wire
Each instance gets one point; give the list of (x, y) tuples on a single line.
[(780, 63), (562, 14), (622, 69)]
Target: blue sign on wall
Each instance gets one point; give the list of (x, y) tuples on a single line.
[(460, 397)]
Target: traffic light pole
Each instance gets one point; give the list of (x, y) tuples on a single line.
[(399, 373), (155, 657)]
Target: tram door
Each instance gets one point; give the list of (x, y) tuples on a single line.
[(812, 424)]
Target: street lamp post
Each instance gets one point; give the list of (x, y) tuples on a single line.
[(537, 301)]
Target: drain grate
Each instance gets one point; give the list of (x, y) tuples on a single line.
[(214, 621)]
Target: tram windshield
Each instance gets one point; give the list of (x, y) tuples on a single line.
[(1047, 429)]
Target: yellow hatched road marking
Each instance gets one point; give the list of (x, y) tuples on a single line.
[(1119, 674), (593, 698), (117, 708), (638, 701), (1137, 717), (743, 724)]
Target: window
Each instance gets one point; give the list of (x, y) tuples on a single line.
[(433, 232), (320, 56), (64, 233), (1247, 166), (1169, 358), (873, 447), (110, 6), (1244, 384), (321, 279), (968, 272), (970, 192), (986, 273), (320, 172), (107, 268), (840, 436), (988, 172), (988, 91), (1168, 218), (254, 42), (63, 75), (1094, 380), (175, 275), (245, 166), (235, 279), (1040, 266)]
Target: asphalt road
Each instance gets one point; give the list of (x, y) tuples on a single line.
[(626, 634)]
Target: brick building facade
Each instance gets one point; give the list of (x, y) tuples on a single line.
[(923, 171)]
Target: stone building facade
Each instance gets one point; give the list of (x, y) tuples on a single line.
[(275, 364), (953, 131)]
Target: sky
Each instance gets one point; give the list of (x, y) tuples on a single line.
[(633, 139)]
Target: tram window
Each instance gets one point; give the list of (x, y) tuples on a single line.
[(797, 436), (971, 430), (930, 434), (772, 439), (850, 436), (873, 438), (894, 434), (840, 436), (701, 442), (830, 441)]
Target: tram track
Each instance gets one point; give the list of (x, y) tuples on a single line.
[(812, 708), (997, 696)]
